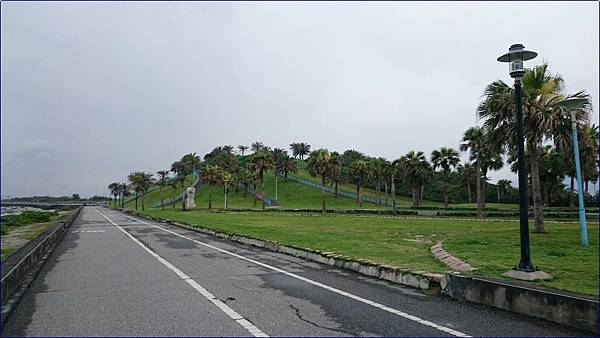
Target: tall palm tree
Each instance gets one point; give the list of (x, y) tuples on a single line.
[(335, 170), (114, 191), (545, 117), (190, 162), (397, 170), (319, 165), (173, 184), (474, 140), (286, 166), (445, 159), (303, 150), (294, 147), (228, 149), (468, 175), (253, 177), (177, 167), (256, 146), (162, 182), (242, 149), (359, 171), (211, 175), (417, 173), (377, 168), (141, 182), (262, 161)]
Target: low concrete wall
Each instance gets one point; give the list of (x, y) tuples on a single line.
[(565, 308), (18, 269)]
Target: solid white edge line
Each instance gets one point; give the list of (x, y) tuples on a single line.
[(251, 328), (321, 285)]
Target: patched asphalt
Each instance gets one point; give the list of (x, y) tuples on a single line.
[(99, 282)]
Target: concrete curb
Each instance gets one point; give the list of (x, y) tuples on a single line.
[(418, 279), (570, 309), (21, 274)]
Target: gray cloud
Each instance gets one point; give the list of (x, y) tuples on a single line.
[(116, 87)]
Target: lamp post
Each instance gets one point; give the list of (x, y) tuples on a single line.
[(226, 181), (515, 57), (582, 224), (276, 187)]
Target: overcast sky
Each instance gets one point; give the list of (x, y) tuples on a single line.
[(93, 91)]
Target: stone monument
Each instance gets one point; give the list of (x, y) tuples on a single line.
[(189, 198)]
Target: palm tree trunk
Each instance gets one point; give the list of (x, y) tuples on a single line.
[(143, 202), (377, 192), (254, 190), (322, 196), (469, 192), (358, 194), (209, 196), (359, 197), (263, 195), (546, 197), (393, 197), (136, 198), (479, 204), (421, 194), (446, 194), (414, 195), (336, 189), (535, 182), (385, 186)]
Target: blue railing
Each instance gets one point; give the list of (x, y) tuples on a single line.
[(368, 199)]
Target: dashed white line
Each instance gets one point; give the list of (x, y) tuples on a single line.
[(211, 298), (321, 285)]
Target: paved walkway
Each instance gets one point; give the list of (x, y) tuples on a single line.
[(116, 275)]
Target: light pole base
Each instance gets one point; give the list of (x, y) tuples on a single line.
[(528, 276)]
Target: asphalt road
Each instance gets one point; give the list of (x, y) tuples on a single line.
[(114, 275)]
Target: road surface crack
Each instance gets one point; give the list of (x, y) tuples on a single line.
[(297, 312)]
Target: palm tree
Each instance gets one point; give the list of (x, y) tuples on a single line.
[(319, 164), (475, 141), (545, 117), (162, 182), (256, 146), (446, 159), (211, 175), (377, 168), (286, 166), (417, 172), (359, 171), (335, 170), (228, 149), (262, 161), (114, 191), (173, 184), (467, 173), (397, 169), (124, 190), (294, 147), (242, 149), (177, 167), (252, 177), (190, 162), (140, 181), (303, 149)]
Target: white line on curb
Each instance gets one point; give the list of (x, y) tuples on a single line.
[(321, 285), (211, 298)]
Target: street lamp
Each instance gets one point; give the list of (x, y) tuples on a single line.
[(226, 181), (515, 57), (582, 224)]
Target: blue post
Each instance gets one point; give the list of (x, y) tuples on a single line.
[(582, 224)]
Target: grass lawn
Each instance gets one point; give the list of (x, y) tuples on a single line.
[(492, 247), (16, 237)]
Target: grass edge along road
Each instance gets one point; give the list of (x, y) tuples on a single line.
[(492, 247)]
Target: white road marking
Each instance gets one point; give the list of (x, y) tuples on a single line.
[(321, 285), (79, 231), (211, 298)]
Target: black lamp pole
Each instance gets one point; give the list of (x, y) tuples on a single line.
[(525, 262), (515, 57)]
